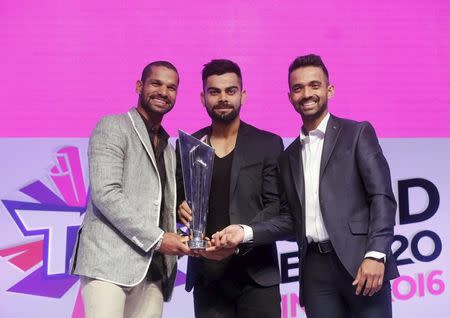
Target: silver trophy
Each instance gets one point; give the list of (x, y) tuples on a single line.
[(197, 160)]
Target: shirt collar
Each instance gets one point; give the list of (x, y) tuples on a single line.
[(319, 131), (154, 130)]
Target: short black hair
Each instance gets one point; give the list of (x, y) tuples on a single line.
[(220, 67), (307, 60), (148, 69)]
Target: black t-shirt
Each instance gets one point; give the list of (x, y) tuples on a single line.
[(218, 214), (219, 195)]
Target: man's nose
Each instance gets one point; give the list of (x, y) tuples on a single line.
[(162, 90), (308, 92), (223, 96)]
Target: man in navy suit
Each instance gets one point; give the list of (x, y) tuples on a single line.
[(337, 198)]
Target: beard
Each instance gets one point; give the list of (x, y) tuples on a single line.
[(146, 104), (321, 108), (223, 118)]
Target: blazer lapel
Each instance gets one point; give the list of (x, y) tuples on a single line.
[(331, 137), (141, 130), (238, 157), (296, 165)]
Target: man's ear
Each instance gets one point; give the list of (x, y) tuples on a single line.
[(330, 90), (243, 97), (139, 86), (290, 97), (202, 98)]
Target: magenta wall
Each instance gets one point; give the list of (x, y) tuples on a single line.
[(64, 64)]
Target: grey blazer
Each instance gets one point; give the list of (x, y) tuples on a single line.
[(120, 229)]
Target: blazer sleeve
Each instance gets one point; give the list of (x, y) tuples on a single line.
[(270, 181), (376, 177), (106, 164), (281, 226)]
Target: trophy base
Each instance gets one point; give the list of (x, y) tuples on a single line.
[(197, 245)]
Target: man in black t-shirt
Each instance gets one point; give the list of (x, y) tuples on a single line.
[(244, 189)]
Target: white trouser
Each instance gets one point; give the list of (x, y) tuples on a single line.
[(107, 300)]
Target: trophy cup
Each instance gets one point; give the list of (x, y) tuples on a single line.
[(197, 163)]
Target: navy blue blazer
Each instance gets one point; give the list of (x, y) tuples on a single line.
[(355, 194)]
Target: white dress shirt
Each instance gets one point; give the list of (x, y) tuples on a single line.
[(312, 145)]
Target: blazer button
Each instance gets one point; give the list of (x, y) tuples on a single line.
[(156, 202)]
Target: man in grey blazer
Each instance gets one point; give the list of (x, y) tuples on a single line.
[(337, 198), (127, 247)]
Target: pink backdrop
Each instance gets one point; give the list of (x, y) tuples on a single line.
[(64, 64)]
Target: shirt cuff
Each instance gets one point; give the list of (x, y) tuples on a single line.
[(377, 255), (248, 233), (158, 244)]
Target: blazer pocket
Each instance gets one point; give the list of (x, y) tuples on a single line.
[(251, 172), (343, 154), (359, 227), (249, 165)]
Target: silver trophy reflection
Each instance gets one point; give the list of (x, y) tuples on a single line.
[(197, 160)]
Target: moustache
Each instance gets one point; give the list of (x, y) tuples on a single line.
[(223, 105), (159, 97), (313, 98)]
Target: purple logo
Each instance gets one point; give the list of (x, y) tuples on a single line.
[(56, 216)]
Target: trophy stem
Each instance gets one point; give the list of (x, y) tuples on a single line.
[(197, 160), (198, 205)]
